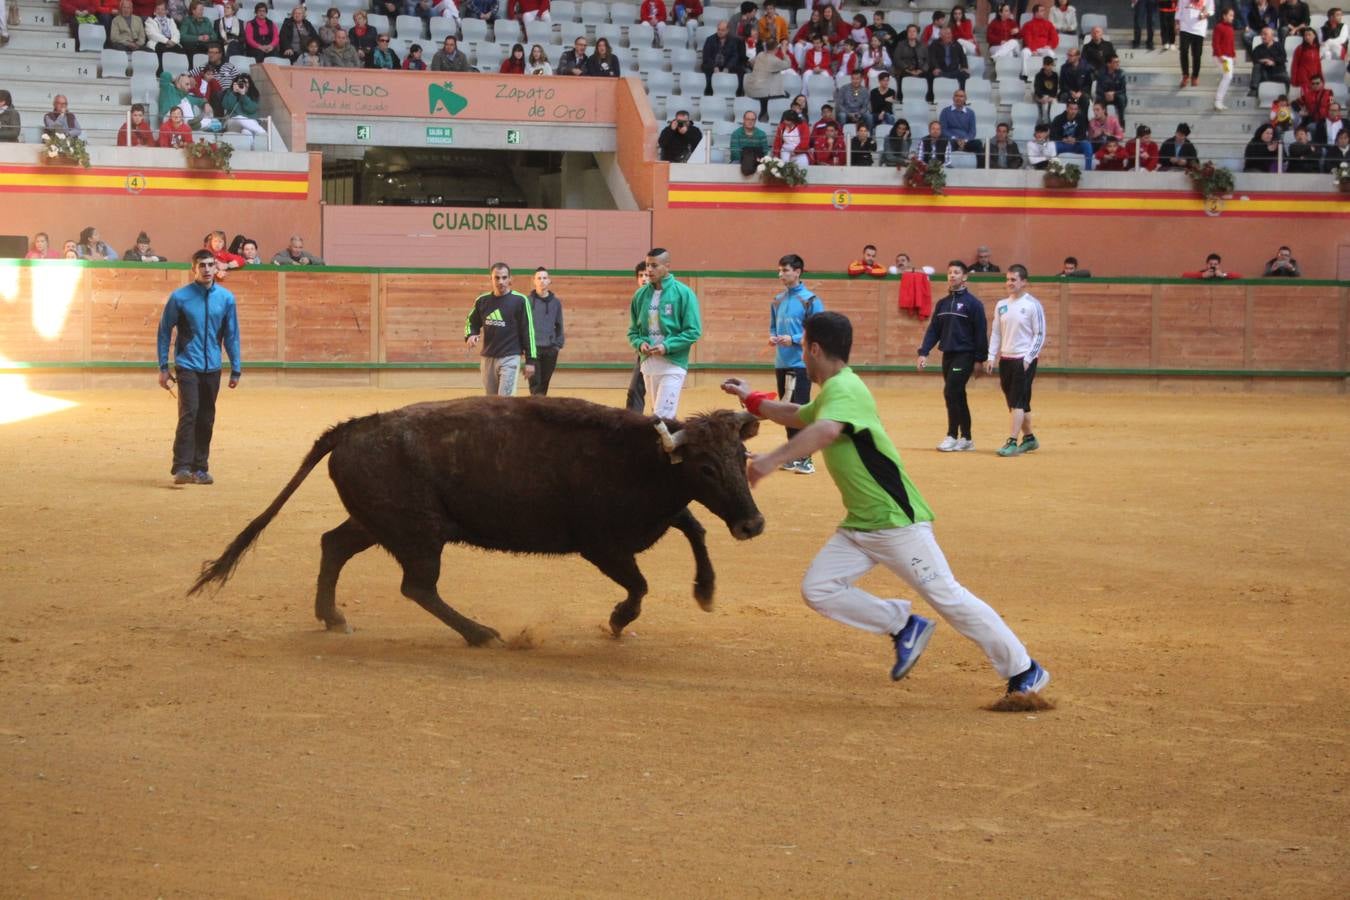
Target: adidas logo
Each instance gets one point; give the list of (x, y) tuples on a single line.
[(495, 315)]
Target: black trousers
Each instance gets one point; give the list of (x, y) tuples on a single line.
[(956, 371), (196, 419), (637, 389), (1192, 45), (543, 371), (1016, 377), (795, 387)]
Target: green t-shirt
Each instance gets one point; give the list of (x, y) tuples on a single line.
[(862, 461)]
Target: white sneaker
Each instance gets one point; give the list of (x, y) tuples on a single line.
[(964, 444), (805, 466), (1219, 106), (789, 466), (948, 444)]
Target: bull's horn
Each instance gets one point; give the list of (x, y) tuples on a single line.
[(670, 442)]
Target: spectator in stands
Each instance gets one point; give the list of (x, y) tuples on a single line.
[(880, 29), (1065, 19), (946, 59), (935, 146), (963, 30), (1045, 89), (982, 262), (602, 63), (1075, 78), (127, 31), (742, 22), (1098, 50), (899, 144), (1103, 125), (174, 131), (910, 58), (1167, 24), (77, 13), (1328, 129), (572, 62), (105, 11), (827, 118), (827, 147), (11, 124), (261, 35), (313, 56), (1282, 115), (139, 134), (868, 265), (249, 251), (514, 64), (1261, 14), (748, 144), (1335, 35), (1142, 150), (41, 248), (142, 252), (801, 40), (1302, 157), (862, 147), (295, 254), (296, 33), (799, 105), (342, 55), (1294, 16), (214, 243), (876, 59), (1003, 152), (881, 100), (384, 57), (229, 30), (773, 26), (217, 70), (680, 137), (1213, 269), (1144, 11), (535, 11), (1112, 156), (1314, 104), (480, 9), (60, 120), (1338, 154), (92, 246), (933, 30), (792, 140), (836, 29), (959, 126), (1040, 149), (653, 13), (1039, 38), (1177, 152), (817, 60), (239, 108), (1003, 34), (161, 34), (1070, 130), (1282, 265), (1268, 62), (1070, 269), (1307, 61), (723, 53), (68, 251), (196, 30), (1111, 87), (1263, 151), (854, 102), (362, 36), (332, 21), (536, 64), (1225, 53), (765, 81)]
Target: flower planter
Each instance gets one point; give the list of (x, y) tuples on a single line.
[(1345, 187), (1057, 183), (57, 160), (201, 162)]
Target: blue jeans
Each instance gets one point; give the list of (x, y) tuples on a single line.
[(1082, 147), (1144, 13)]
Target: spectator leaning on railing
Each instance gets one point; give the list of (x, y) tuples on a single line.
[(295, 254), (139, 134), (678, 140), (60, 120), (748, 144)]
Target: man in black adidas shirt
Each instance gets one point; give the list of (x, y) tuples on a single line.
[(501, 320)]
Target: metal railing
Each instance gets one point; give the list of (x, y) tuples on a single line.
[(97, 136)]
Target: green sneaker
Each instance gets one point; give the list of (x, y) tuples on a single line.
[(1028, 444), (1009, 448)]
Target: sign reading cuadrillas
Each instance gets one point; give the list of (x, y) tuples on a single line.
[(502, 221)]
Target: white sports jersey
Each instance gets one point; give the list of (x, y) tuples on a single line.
[(1019, 329)]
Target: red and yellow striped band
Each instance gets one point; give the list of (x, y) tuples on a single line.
[(155, 182)]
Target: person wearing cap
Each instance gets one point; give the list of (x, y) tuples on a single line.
[(142, 252), (1142, 150), (1178, 152), (982, 262)]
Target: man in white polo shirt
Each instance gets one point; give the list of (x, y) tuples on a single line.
[(1014, 345)]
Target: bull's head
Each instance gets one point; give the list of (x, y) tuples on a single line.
[(712, 450)]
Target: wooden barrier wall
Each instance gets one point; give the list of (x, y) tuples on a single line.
[(72, 325)]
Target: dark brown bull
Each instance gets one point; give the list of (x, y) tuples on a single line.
[(538, 475)]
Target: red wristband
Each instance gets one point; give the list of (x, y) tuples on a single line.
[(755, 398)]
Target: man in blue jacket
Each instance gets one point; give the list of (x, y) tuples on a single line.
[(960, 329), (787, 323), (204, 316)]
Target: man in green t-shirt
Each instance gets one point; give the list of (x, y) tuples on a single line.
[(887, 521)]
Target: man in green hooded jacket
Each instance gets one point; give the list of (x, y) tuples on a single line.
[(663, 325)]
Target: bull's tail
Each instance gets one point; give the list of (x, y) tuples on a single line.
[(219, 571)]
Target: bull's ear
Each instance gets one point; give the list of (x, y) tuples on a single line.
[(671, 442), (749, 425)]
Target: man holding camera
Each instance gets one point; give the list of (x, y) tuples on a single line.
[(678, 140)]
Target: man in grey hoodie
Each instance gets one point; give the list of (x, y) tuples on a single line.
[(548, 331)]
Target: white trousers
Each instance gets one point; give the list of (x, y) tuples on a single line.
[(527, 18), (4, 18), (913, 554), (1225, 77), (1007, 48), (1031, 60), (664, 388)]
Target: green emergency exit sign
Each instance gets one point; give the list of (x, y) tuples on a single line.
[(440, 134), (363, 132), (513, 135)]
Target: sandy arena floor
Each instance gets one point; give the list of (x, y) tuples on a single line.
[(1178, 562)]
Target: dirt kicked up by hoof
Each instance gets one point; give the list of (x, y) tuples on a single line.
[(1023, 702), (525, 639)]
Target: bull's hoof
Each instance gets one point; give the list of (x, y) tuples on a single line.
[(618, 621), (703, 593), (483, 637), (339, 627)]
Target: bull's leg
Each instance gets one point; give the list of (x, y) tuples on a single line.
[(704, 578), (339, 545), (421, 571), (624, 570)]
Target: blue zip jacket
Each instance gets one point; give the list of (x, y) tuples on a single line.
[(958, 326), (787, 316), (205, 319)]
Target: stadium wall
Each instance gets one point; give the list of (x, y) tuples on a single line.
[(69, 325)]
